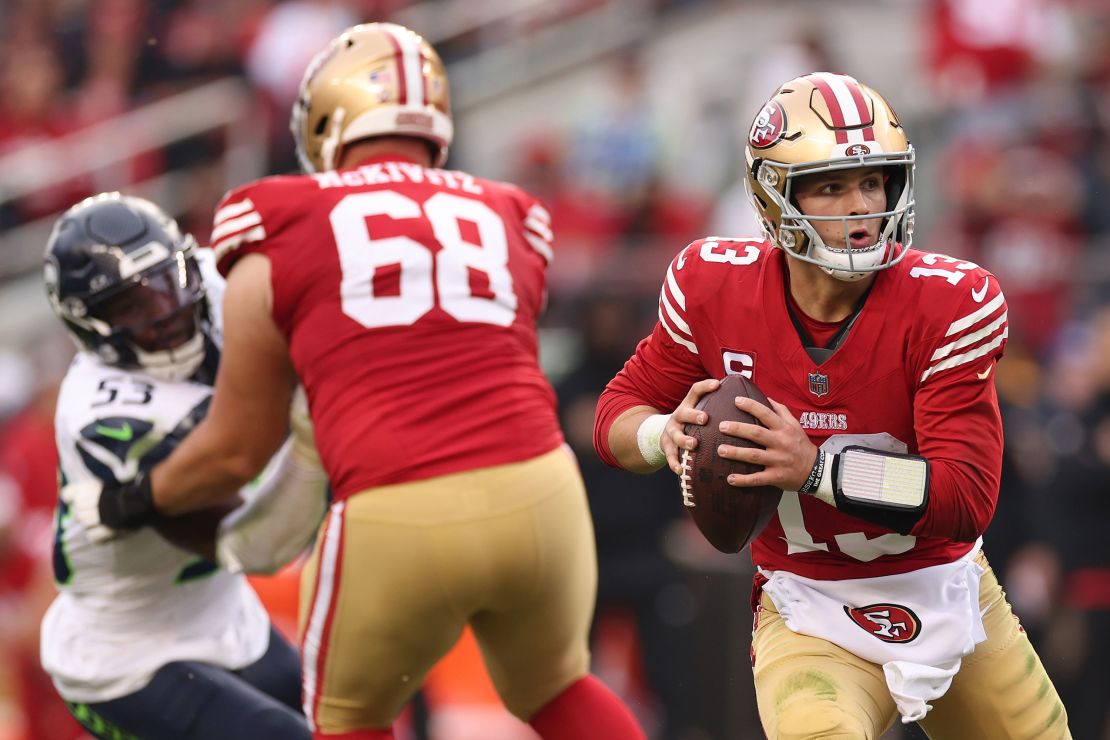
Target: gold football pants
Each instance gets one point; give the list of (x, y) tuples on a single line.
[(399, 570), (809, 688)]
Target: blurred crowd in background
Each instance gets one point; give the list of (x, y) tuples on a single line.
[(1007, 102)]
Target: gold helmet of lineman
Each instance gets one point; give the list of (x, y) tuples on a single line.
[(375, 79), (819, 123)]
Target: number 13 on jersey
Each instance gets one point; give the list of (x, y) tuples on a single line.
[(426, 276)]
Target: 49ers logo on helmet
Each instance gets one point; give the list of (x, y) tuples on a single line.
[(888, 622), (769, 126)]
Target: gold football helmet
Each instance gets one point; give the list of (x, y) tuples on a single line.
[(375, 79), (819, 123)]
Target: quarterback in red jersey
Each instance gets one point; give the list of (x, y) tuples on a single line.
[(872, 597), (404, 298)]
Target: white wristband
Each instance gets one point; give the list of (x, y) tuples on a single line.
[(649, 439), (825, 487)]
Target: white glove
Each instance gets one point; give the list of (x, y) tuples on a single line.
[(304, 434), (277, 522), (83, 498), (283, 509)]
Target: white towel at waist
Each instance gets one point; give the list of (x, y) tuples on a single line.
[(918, 626)]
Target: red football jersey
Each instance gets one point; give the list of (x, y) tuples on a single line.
[(409, 298), (915, 367)]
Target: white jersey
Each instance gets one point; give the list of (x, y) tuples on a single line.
[(129, 606)]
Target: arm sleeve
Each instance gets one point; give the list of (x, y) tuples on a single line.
[(960, 431), (537, 228), (956, 415)]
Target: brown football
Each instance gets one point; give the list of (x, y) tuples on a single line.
[(195, 531), (728, 516)]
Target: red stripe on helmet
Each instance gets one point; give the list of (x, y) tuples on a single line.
[(861, 106), (399, 59), (427, 78), (834, 108)]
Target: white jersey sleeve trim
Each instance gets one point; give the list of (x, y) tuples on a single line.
[(967, 346), (539, 212), (233, 211), (541, 227), (672, 283), (679, 323), (975, 317), (672, 312), (541, 246), (678, 339), (971, 338), (966, 357), (221, 248), (235, 225), (537, 231)]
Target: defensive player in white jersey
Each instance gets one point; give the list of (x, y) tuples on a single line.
[(146, 639), (873, 598)]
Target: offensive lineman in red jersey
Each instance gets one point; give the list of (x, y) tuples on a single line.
[(872, 597), (405, 298)]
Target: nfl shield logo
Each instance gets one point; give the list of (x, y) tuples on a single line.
[(818, 384)]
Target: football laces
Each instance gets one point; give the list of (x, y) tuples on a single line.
[(684, 479)]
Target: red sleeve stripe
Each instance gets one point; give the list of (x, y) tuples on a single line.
[(233, 210), (541, 246), (221, 248), (970, 339), (410, 75), (966, 357), (234, 225)]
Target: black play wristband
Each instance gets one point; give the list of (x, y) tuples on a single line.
[(128, 505)]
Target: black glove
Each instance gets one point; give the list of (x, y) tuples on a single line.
[(128, 505)]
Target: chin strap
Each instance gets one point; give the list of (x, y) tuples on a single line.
[(174, 364)]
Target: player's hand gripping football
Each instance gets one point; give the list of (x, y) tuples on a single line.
[(674, 439), (787, 456), (107, 510)]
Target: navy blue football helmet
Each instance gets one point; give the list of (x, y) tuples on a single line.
[(125, 282)]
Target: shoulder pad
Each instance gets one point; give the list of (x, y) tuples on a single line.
[(243, 215), (967, 313), (696, 274)]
